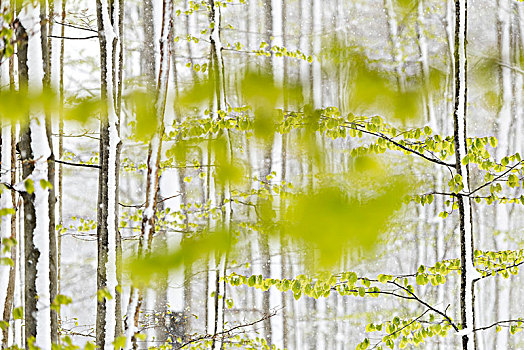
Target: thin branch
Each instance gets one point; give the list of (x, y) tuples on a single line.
[(228, 331), (76, 27), (78, 164), (141, 205), (380, 135), (11, 187), (73, 38), (426, 305), (495, 324), (495, 179), (400, 329), (493, 273)]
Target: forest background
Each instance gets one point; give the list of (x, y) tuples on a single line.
[(259, 174)]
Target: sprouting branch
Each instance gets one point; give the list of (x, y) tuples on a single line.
[(495, 179), (227, 331), (141, 205), (400, 329), (382, 136), (496, 324), (76, 27), (493, 273), (443, 314)]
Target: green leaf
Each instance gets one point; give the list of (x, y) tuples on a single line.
[(45, 184), (7, 211), (103, 294), (119, 342), (422, 279), (18, 313), (6, 261), (251, 281), (141, 336), (29, 186)]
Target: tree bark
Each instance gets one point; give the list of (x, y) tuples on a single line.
[(26, 156), (45, 26), (467, 269), (107, 207)]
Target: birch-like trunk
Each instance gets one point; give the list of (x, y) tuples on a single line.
[(34, 152), (107, 208), (467, 270), (218, 103), (45, 28), (7, 168), (14, 232)]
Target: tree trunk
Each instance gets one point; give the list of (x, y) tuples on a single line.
[(107, 181), (45, 26), (467, 269)]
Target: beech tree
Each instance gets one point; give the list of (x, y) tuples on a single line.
[(257, 166)]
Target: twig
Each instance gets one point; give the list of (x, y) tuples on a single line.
[(380, 135), (141, 205), (495, 179), (426, 305), (495, 324), (72, 38), (78, 164), (214, 336), (400, 329), (76, 27)]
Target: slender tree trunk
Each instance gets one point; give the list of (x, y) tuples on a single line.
[(107, 208), (15, 250), (468, 271), (219, 103), (45, 27), (34, 148), (60, 153), (10, 287)]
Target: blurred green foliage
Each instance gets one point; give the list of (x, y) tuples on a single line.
[(346, 215), (144, 269)]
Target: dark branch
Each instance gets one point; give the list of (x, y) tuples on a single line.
[(78, 164), (73, 38), (495, 179), (495, 324), (380, 135), (227, 331), (76, 27), (426, 305)]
